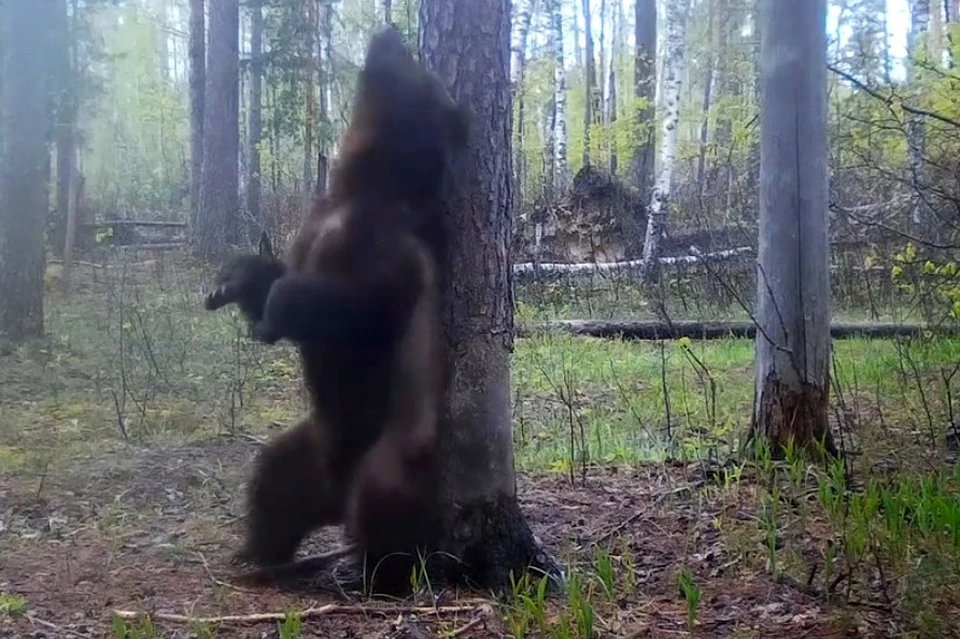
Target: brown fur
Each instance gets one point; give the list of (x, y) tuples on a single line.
[(371, 249)]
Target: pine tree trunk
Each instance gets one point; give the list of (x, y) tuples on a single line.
[(28, 39), (467, 43), (673, 70), (198, 70), (255, 113), (644, 88), (793, 288), (66, 106), (220, 199)]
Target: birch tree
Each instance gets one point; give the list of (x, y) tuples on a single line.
[(916, 137), (559, 98), (793, 289), (616, 41), (673, 70)]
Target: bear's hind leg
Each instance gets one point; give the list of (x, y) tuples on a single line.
[(291, 494)]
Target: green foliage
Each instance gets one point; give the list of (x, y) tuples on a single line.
[(934, 286), (291, 627), (691, 594), (12, 605), (137, 126), (144, 630)]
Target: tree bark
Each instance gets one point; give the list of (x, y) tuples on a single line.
[(198, 68), (220, 198), (70, 234), (255, 114), (467, 44), (525, 9), (66, 122), (793, 348), (310, 95), (591, 106), (23, 183), (327, 75), (916, 134), (673, 70), (952, 9), (559, 99), (644, 88), (386, 11), (714, 31), (616, 41)]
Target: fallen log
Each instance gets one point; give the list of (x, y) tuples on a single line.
[(527, 269), (658, 330)]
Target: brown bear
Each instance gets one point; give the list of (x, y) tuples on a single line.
[(359, 296)]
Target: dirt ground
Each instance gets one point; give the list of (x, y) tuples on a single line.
[(152, 530)]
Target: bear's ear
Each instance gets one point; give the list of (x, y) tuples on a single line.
[(389, 70), (266, 248), (387, 48)]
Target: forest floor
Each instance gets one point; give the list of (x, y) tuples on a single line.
[(151, 530), (127, 434)]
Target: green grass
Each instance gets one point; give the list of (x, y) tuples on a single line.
[(12, 605), (610, 394), (139, 359)]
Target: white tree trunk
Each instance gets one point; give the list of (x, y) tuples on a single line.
[(916, 137), (673, 69), (560, 100), (793, 280)]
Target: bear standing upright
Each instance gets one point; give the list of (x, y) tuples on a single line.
[(359, 295)]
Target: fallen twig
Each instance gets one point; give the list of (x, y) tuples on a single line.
[(473, 623), (220, 582), (312, 612), (52, 626)]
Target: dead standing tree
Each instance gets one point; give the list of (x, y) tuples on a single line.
[(793, 337)]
